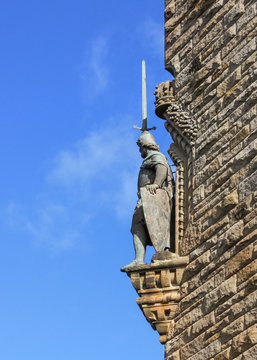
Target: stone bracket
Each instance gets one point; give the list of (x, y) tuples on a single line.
[(159, 288)]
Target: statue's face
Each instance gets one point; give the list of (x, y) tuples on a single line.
[(143, 151)]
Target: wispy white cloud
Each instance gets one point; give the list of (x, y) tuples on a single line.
[(100, 167), (95, 177), (151, 33), (95, 72)]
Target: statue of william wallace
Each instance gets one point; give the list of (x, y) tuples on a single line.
[(151, 223)]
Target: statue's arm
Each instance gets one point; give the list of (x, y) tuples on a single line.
[(160, 176)]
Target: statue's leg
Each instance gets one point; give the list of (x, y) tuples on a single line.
[(139, 232), (140, 240)]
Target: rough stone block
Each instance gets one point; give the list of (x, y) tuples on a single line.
[(174, 356), (239, 56), (188, 319), (233, 234), (234, 13), (197, 294), (198, 195), (196, 265), (244, 340), (251, 285), (250, 13), (240, 305), (249, 61), (251, 317), (191, 347), (214, 229), (230, 200), (250, 354), (247, 186), (220, 294), (236, 90), (202, 325), (199, 164), (240, 136), (223, 207), (223, 177), (229, 82), (220, 277), (250, 214), (209, 351), (246, 272), (232, 329), (224, 355), (239, 260), (210, 333), (250, 227)]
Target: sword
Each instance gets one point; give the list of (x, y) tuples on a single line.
[(144, 103)]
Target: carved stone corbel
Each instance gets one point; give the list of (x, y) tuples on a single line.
[(159, 288), (183, 129), (183, 124)]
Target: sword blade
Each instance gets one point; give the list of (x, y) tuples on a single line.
[(144, 100)]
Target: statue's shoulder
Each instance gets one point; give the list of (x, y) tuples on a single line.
[(158, 158)]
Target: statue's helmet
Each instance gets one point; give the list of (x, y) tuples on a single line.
[(146, 139)]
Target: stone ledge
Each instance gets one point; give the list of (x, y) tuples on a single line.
[(161, 264)]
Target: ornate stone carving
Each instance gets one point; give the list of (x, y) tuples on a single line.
[(159, 288), (182, 143), (183, 129), (166, 107), (179, 159), (164, 97), (183, 121)]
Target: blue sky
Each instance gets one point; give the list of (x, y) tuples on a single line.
[(70, 95)]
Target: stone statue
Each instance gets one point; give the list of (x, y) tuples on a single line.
[(151, 221)]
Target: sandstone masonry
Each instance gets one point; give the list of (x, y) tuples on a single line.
[(210, 48)]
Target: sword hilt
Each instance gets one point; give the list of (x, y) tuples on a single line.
[(146, 129)]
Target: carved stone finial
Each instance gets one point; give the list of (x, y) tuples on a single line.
[(164, 97)]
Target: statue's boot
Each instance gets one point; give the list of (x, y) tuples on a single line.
[(132, 264), (139, 245)]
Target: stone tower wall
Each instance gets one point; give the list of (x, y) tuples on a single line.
[(210, 48)]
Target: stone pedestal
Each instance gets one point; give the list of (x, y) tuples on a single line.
[(158, 287)]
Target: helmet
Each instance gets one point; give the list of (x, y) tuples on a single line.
[(146, 139)]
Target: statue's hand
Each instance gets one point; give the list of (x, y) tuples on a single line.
[(152, 188)]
